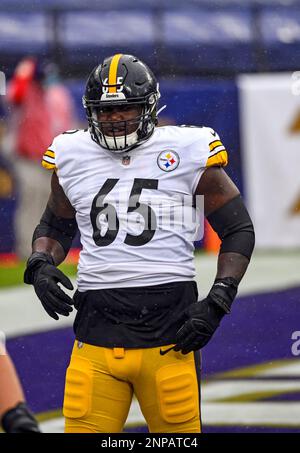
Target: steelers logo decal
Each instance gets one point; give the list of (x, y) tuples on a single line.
[(168, 160)]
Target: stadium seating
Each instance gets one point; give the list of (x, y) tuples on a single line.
[(88, 37), (15, 36), (280, 34), (200, 38), (209, 40)]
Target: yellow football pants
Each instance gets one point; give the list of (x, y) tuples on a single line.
[(100, 383)]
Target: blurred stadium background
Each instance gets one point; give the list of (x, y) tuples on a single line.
[(231, 65)]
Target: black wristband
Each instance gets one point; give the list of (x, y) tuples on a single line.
[(223, 292), (34, 262)]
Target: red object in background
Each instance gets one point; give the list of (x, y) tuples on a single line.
[(8, 259), (212, 241), (23, 76), (73, 256), (26, 93)]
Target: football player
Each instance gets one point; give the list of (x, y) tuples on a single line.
[(139, 325)]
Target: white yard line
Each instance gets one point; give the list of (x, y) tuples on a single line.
[(219, 390), (283, 414), (266, 272), (22, 313)]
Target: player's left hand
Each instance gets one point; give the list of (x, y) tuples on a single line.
[(203, 319)]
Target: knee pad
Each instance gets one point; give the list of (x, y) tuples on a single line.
[(78, 388), (177, 391)]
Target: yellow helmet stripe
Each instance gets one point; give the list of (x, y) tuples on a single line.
[(113, 70)]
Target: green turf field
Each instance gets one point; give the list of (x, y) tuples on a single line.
[(13, 275)]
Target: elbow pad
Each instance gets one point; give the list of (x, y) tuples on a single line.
[(234, 227), (59, 228)]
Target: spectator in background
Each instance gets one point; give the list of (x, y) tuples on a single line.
[(41, 107), (58, 100)]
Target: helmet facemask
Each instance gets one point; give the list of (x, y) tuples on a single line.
[(134, 131)]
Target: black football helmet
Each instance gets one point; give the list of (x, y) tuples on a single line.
[(121, 80)]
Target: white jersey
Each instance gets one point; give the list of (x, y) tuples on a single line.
[(127, 204)]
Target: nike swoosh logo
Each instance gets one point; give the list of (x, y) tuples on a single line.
[(165, 351)]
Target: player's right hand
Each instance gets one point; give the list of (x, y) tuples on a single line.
[(44, 277)]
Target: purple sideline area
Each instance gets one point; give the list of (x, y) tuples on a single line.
[(258, 330)]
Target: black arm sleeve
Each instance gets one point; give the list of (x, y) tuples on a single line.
[(61, 229), (234, 227)]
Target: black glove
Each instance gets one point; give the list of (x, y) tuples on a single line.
[(44, 276), (204, 317), (19, 420)]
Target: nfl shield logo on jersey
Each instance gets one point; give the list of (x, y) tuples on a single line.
[(168, 160), (126, 160)]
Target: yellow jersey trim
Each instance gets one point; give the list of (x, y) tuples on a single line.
[(220, 158)]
